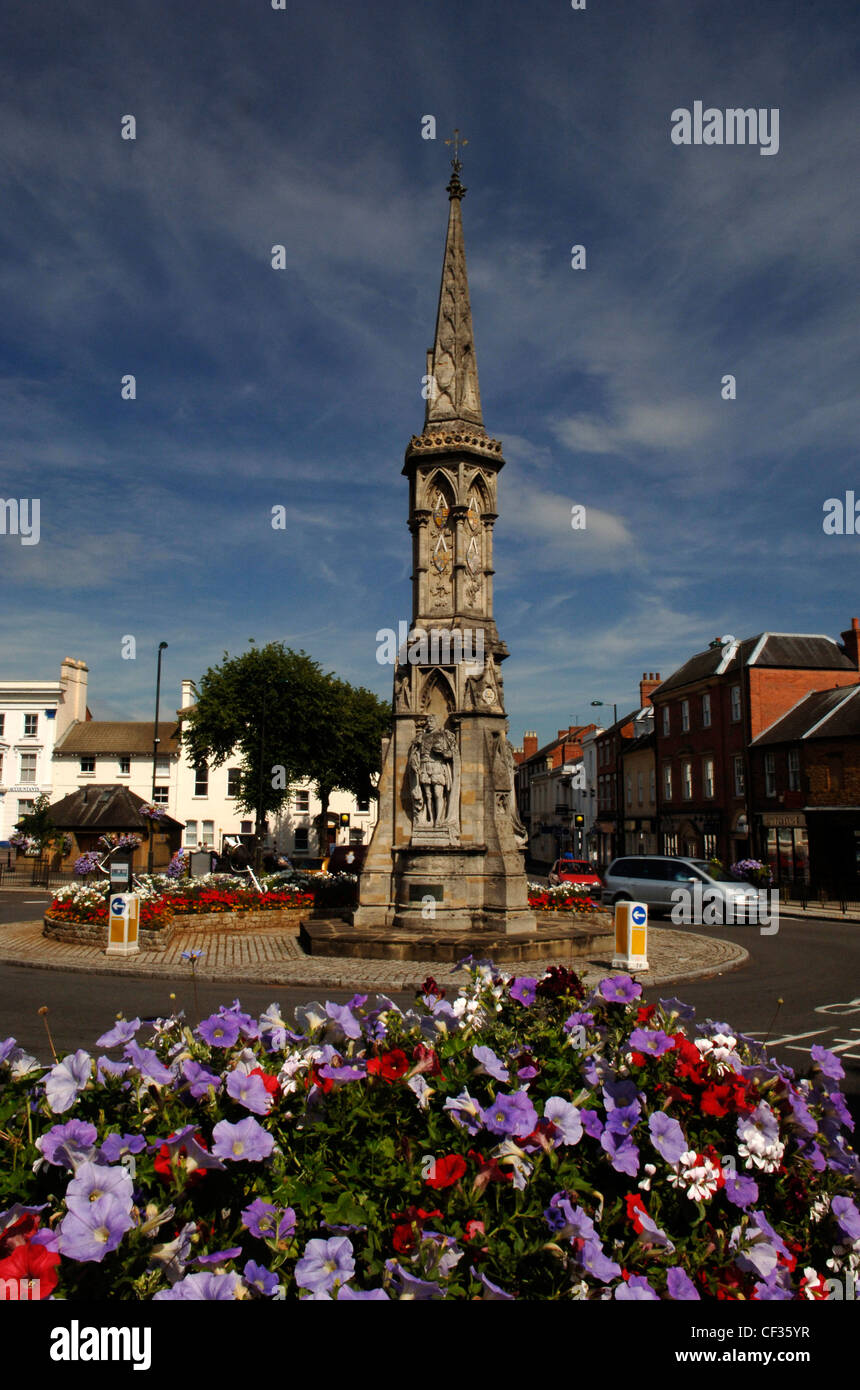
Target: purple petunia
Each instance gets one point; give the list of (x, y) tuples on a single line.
[(740, 1190), (680, 1286), (678, 1008), (828, 1063), (346, 1294), (410, 1286), (259, 1278), (652, 1041), (489, 1064), (524, 990), (847, 1217), (635, 1289), (465, 1111), (92, 1181), (219, 1030), (565, 1117), (149, 1064), (92, 1230), (623, 1119), (122, 1032), (219, 1257), (591, 1123), (268, 1222), (66, 1145), (342, 1015), (200, 1080), (623, 1155), (245, 1142), (510, 1115), (66, 1080), (249, 1091), (221, 1288), (324, 1264), (619, 989), (667, 1136), (596, 1263), (491, 1292)]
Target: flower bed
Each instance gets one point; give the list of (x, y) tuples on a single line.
[(524, 1141), (564, 897)]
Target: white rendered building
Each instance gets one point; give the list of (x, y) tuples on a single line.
[(34, 716)]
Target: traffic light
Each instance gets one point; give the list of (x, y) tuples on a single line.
[(344, 817), (579, 822)]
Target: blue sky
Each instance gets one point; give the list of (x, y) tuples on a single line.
[(301, 388)]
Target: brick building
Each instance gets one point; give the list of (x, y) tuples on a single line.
[(806, 790), (707, 715), (622, 824), (551, 789)]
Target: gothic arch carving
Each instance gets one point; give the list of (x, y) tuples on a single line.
[(438, 695)]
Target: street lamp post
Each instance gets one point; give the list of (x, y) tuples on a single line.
[(605, 703), (162, 646)]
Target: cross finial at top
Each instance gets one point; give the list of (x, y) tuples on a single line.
[(458, 144)]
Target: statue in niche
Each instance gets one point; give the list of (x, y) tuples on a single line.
[(402, 690), (431, 767), (504, 771)]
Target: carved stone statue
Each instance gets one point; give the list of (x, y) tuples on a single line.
[(431, 765), (504, 784), (402, 692)]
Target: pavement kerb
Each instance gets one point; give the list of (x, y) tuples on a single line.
[(245, 961)]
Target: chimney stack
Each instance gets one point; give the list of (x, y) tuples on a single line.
[(851, 642), (647, 684), (188, 697), (530, 743)]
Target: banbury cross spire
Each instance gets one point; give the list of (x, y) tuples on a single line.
[(454, 396)]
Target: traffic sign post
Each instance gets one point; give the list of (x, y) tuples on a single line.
[(123, 924), (631, 937)]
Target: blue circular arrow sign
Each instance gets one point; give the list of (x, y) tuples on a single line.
[(117, 906), (639, 915)]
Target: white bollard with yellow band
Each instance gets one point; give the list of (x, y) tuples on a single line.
[(631, 937), (123, 924)]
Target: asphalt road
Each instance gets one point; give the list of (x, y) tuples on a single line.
[(812, 964)]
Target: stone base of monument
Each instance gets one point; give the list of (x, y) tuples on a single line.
[(447, 946)]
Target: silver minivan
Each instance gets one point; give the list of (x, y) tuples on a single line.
[(653, 878)]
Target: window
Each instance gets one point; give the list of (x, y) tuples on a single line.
[(162, 765), (201, 780), (687, 781), (363, 804), (302, 839), (28, 767), (710, 842), (1, 768), (2, 725), (652, 786), (234, 776), (191, 832), (708, 777), (706, 711), (769, 775), (667, 723), (629, 790), (208, 836), (161, 796), (640, 788), (124, 767), (794, 770), (303, 801), (685, 716), (25, 807), (736, 703), (88, 763), (31, 725), (670, 844), (738, 764), (667, 782)]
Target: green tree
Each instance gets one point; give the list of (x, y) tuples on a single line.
[(288, 721), (350, 758), (38, 826)]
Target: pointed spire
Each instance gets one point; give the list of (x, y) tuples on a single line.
[(454, 396)]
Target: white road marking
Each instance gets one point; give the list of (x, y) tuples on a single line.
[(790, 1037)]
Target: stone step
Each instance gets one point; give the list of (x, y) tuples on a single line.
[(340, 938)]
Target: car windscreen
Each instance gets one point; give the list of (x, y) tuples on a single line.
[(719, 875), (574, 866)]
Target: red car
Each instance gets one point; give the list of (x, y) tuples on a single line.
[(577, 871)]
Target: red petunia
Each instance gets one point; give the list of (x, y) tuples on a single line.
[(645, 1013), (391, 1066), (270, 1082), (717, 1100), (163, 1168), (426, 1061), (35, 1263), (634, 1206), (447, 1171)]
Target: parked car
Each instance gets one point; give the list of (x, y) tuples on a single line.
[(653, 878), (576, 871)]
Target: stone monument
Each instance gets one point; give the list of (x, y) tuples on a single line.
[(447, 851)]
